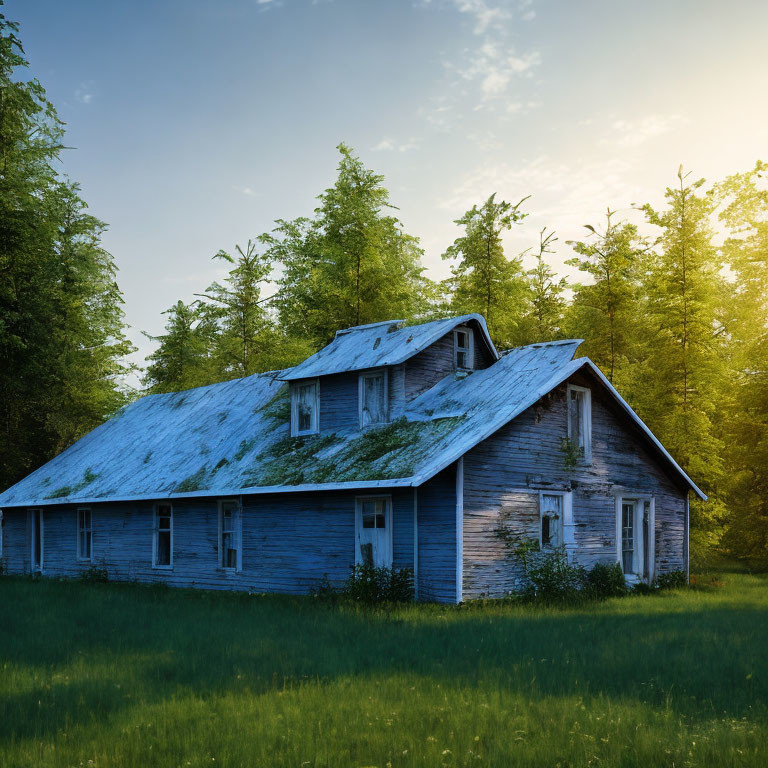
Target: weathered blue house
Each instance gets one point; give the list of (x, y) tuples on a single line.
[(412, 446)]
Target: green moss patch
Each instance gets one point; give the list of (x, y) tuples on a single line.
[(71, 490)]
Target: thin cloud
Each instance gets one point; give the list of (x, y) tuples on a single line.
[(390, 145), (84, 94), (634, 133)]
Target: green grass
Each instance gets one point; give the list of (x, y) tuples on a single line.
[(123, 675)]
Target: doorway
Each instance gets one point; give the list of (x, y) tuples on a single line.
[(373, 531)]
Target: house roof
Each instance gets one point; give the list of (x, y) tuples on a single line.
[(379, 344), (233, 438)]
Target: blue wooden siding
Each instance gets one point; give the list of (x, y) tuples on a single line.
[(340, 399), (503, 476), (290, 541), (339, 410), (437, 537), (434, 363)]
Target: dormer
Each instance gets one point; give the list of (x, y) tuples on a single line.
[(368, 374)]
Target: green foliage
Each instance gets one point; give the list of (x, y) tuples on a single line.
[(609, 311), (351, 263), (743, 208), (605, 580), (671, 580), (572, 454), (483, 279), (545, 317), (62, 342), (553, 579), (370, 585), (94, 574)]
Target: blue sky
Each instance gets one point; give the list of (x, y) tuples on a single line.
[(196, 124)]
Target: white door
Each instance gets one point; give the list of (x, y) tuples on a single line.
[(373, 527), (636, 528)]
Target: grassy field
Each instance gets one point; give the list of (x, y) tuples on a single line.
[(122, 675)]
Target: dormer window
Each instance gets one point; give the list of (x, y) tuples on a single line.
[(305, 406), (463, 349), (580, 420), (373, 398)]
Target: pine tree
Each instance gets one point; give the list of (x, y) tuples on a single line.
[(62, 343), (184, 355), (351, 264), (686, 367), (609, 312), (544, 318), (743, 200), (483, 279)]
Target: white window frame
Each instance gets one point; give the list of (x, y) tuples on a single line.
[(156, 531), (237, 533), (388, 516), (586, 420), (567, 538), (641, 499), (81, 558), (315, 426), (31, 527), (361, 395), (470, 349)]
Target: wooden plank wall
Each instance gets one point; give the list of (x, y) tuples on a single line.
[(503, 475), (339, 399), (425, 369), (437, 537), (290, 541)]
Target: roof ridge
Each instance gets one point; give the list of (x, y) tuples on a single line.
[(342, 331)]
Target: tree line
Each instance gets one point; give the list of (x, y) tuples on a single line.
[(677, 319)]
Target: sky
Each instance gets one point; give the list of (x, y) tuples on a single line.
[(194, 125)]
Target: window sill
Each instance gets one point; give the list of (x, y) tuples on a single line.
[(162, 567)]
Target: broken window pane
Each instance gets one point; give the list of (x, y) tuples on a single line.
[(374, 394), (462, 349), (306, 407), (551, 519)]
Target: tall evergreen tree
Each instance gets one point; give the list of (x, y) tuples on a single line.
[(544, 318), (61, 324), (685, 372), (184, 355), (743, 200), (350, 264), (608, 312), (483, 279)]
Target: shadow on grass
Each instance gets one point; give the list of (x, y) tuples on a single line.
[(79, 652)]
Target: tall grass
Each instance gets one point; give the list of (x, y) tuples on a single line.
[(123, 675)]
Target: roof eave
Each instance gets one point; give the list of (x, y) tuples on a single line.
[(402, 482)]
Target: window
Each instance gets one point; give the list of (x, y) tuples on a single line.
[(373, 526), (36, 539), (551, 508), (304, 408), (580, 419), (463, 348), (628, 511), (635, 533), (229, 536), (373, 398), (163, 545), (84, 534)]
